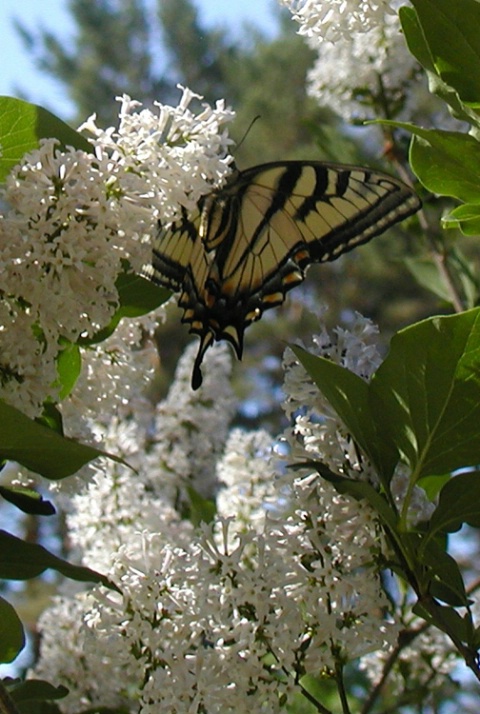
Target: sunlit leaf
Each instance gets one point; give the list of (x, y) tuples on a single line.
[(22, 125)]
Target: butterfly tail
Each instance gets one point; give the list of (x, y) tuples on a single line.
[(205, 341)]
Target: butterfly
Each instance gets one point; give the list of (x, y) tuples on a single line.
[(252, 240)]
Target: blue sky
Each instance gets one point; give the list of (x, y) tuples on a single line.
[(19, 73)]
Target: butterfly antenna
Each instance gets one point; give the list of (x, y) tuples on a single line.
[(247, 132)]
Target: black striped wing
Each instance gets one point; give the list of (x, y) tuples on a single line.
[(251, 242)]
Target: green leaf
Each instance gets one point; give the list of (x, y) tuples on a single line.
[(12, 636), (27, 500), (20, 560), (446, 162), (69, 366), (137, 296), (348, 394), (445, 580), (41, 449), (432, 485), (426, 394), (36, 690), (459, 503), (419, 48), (22, 125), (415, 38), (426, 274), (466, 218), (451, 33), (202, 510), (446, 619)]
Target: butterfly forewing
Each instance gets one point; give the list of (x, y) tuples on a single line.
[(252, 241)]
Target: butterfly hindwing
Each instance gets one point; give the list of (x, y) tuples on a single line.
[(252, 240)]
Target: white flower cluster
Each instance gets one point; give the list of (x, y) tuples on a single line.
[(114, 374), (317, 432), (367, 76), (73, 217), (281, 584), (337, 20), (173, 447), (363, 67)]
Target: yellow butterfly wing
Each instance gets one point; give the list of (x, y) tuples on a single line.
[(251, 242)]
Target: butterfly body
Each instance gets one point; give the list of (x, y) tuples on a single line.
[(251, 241)]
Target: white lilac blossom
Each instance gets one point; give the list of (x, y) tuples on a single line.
[(173, 446), (102, 679), (368, 76), (72, 218), (336, 20), (363, 69), (429, 662), (114, 374), (226, 618), (317, 431), (189, 430), (247, 473)]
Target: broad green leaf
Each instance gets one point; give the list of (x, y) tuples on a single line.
[(426, 394), (12, 636), (348, 395), (41, 449), (446, 162), (451, 32), (459, 503), (415, 38), (20, 560), (137, 296), (419, 48), (22, 125), (27, 500)]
